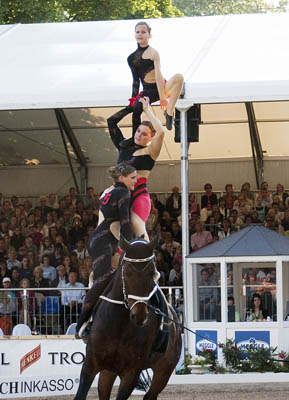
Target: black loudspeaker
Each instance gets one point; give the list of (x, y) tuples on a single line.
[(193, 122)]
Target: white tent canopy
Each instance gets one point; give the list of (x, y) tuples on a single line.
[(81, 67), (224, 59)]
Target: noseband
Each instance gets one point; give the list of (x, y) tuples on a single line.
[(126, 296)]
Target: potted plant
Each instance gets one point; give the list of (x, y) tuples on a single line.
[(199, 365)]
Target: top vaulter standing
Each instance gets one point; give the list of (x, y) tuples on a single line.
[(145, 67)]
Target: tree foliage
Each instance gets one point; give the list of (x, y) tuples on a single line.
[(29, 11), (220, 7), (35, 11)]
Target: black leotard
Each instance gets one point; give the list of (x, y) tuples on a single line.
[(102, 244), (139, 67), (127, 148)]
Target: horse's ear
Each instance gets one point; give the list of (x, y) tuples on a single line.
[(153, 244), (123, 243)]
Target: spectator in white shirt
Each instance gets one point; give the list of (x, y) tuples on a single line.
[(12, 261), (71, 301), (49, 272), (80, 250), (73, 297), (61, 280)]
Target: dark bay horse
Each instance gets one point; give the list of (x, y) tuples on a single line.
[(124, 330)]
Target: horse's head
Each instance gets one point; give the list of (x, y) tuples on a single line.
[(139, 274)]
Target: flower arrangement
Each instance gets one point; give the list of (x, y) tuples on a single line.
[(236, 360), (253, 359)]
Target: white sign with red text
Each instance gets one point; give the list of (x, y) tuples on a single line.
[(30, 368)]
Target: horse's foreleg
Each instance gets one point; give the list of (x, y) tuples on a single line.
[(160, 379), (105, 382), (127, 384), (89, 370)]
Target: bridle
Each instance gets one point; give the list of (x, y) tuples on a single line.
[(126, 296)]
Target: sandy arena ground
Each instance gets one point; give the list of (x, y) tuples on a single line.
[(249, 391)]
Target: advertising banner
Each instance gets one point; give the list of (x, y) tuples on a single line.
[(207, 340), (260, 339), (40, 367)]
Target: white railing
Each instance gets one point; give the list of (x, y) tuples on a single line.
[(43, 310)]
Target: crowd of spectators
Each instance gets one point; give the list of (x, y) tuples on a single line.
[(214, 218), (44, 246)]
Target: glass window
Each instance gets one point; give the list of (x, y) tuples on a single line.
[(257, 300), (286, 291), (208, 306)]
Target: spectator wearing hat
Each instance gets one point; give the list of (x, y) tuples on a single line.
[(7, 283)]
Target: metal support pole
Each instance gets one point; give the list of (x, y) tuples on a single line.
[(256, 145), (67, 152), (64, 123), (185, 213), (25, 307)]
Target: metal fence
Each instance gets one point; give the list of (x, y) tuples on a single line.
[(50, 311)]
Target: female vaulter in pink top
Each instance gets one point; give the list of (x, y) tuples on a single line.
[(141, 151)]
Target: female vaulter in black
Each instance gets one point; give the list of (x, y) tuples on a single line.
[(141, 151), (114, 218), (145, 67)]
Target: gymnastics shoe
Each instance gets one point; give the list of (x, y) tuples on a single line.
[(169, 121)]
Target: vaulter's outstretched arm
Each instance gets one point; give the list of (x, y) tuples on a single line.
[(158, 139), (114, 131)]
